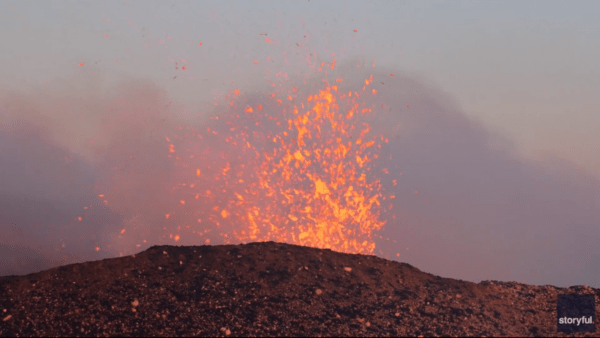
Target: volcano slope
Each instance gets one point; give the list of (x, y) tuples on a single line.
[(268, 289)]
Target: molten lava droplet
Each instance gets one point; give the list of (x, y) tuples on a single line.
[(81, 63), (355, 31), (198, 172), (321, 188), (200, 44), (391, 74), (182, 202)]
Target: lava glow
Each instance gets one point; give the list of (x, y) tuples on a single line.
[(297, 172)]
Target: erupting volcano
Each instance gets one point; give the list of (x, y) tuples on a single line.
[(190, 129), (291, 168)]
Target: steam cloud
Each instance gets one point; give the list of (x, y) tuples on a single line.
[(480, 213)]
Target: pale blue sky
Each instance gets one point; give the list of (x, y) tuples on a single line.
[(527, 70)]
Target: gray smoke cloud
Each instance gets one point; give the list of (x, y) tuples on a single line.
[(61, 148), (480, 211)]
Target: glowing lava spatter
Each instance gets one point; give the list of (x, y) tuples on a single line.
[(296, 172)]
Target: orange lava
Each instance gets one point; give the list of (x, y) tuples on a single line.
[(295, 173)]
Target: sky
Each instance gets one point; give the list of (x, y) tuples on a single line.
[(500, 139)]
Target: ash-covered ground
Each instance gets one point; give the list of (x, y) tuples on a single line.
[(270, 289)]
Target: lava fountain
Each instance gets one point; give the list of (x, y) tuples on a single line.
[(292, 168)]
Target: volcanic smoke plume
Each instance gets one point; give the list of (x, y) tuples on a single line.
[(351, 159)]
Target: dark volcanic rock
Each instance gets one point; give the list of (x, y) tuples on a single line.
[(268, 289)]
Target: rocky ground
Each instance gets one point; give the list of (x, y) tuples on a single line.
[(269, 289)]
